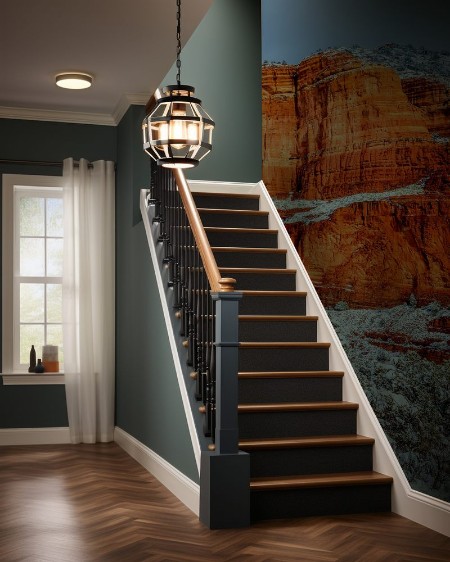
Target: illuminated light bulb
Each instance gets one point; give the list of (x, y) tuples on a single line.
[(163, 132), (193, 132)]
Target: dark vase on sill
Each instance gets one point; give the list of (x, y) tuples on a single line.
[(32, 367), (39, 367)]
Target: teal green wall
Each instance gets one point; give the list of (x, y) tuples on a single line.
[(148, 400), (222, 60), (45, 406)]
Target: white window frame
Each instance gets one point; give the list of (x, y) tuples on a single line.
[(39, 186)]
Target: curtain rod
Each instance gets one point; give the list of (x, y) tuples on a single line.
[(38, 163)]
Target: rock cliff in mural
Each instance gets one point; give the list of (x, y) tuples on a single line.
[(356, 158), (362, 136)]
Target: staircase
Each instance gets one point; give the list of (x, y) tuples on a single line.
[(306, 457)]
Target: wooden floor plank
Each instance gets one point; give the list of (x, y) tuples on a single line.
[(93, 503)]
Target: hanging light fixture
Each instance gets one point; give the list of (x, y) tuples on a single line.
[(178, 132)]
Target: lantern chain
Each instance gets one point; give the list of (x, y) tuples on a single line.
[(178, 41)]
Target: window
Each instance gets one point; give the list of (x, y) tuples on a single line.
[(32, 268)]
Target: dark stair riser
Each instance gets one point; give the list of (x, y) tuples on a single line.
[(251, 304), (218, 202), (310, 460), (234, 220), (242, 239), (283, 359), (262, 281), (267, 391), (288, 331), (320, 501), (251, 259), (308, 423)]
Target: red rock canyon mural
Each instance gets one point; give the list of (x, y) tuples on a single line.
[(356, 158)]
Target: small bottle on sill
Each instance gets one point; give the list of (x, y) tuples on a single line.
[(32, 367), (39, 367)]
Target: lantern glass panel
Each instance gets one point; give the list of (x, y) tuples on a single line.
[(201, 112), (160, 110)]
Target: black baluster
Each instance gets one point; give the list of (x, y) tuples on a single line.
[(158, 195), (183, 273), (212, 370), (177, 244), (151, 195), (190, 319)]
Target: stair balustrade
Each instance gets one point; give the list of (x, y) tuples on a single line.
[(206, 304), (208, 309)]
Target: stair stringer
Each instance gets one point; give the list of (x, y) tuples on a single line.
[(186, 384), (421, 508)]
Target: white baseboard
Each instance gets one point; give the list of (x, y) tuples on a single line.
[(180, 485), (34, 436)]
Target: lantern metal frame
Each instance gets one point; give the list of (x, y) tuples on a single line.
[(178, 132)]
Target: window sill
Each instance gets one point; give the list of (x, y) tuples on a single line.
[(24, 379)]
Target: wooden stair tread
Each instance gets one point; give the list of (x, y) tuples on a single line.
[(232, 211), (244, 230), (253, 250), (219, 194), (304, 442), (258, 270), (320, 480), (283, 344), (276, 318), (296, 407), (251, 293), (288, 374)]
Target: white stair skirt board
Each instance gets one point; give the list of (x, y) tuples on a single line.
[(418, 507), (175, 481), (176, 358), (35, 436)]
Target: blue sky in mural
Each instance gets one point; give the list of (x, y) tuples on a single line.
[(294, 29)]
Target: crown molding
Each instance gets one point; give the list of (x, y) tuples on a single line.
[(75, 116), (58, 116), (124, 103)]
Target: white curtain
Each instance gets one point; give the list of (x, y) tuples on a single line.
[(89, 299)]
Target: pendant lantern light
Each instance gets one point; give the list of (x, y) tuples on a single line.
[(178, 132)]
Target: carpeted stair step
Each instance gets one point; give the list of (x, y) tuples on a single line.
[(284, 386), (320, 494), (308, 455), (226, 201), (273, 302), (250, 257), (283, 356), (232, 218), (296, 419), (258, 327), (242, 237), (260, 279)]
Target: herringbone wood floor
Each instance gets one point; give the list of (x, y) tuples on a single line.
[(86, 503)]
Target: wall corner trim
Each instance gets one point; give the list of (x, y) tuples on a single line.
[(34, 436), (175, 481)]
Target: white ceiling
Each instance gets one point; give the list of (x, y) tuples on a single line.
[(127, 45)]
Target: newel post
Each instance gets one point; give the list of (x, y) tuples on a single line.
[(225, 472)]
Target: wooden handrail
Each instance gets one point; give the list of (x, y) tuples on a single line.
[(217, 283)]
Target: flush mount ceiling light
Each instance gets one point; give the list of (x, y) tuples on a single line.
[(73, 80), (178, 132)]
